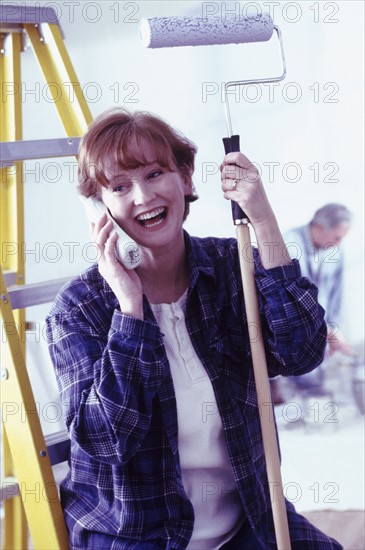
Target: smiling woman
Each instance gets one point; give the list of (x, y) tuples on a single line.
[(154, 364), (116, 134), (142, 169)]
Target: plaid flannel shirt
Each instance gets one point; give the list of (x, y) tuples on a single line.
[(124, 487)]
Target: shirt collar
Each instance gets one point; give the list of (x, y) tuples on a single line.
[(199, 261)]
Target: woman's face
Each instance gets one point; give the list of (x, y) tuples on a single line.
[(147, 202)]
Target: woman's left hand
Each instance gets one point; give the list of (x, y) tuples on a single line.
[(241, 183)]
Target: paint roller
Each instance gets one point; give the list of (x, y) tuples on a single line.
[(169, 32), (166, 32)]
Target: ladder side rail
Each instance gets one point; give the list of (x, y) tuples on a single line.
[(57, 68), (58, 447), (15, 528), (21, 422)]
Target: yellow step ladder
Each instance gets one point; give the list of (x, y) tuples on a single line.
[(27, 473)]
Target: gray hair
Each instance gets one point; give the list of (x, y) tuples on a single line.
[(331, 215)]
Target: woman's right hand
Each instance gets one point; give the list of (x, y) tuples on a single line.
[(125, 283)]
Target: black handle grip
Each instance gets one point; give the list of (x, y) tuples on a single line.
[(232, 145)]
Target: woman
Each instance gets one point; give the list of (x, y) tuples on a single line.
[(154, 364)]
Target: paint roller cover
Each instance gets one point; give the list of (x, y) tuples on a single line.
[(167, 32)]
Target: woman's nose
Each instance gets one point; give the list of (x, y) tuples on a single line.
[(142, 193)]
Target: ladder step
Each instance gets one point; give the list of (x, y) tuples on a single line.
[(22, 296), (11, 151), (58, 447)]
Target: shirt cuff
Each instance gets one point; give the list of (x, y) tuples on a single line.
[(287, 271), (136, 329), (281, 272)]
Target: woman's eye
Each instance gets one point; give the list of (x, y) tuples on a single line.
[(120, 188), (155, 174), (121, 185)]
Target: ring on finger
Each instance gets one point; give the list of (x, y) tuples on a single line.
[(234, 184)]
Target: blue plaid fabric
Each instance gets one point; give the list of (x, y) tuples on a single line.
[(124, 488)]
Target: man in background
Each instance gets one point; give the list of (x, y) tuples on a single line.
[(318, 250)]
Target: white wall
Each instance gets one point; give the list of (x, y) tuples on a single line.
[(311, 124)]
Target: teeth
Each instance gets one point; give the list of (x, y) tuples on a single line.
[(150, 215), (155, 223)]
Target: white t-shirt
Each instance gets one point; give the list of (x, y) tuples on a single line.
[(205, 465)]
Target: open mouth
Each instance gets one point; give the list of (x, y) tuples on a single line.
[(153, 218)]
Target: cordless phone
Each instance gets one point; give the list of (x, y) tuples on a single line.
[(126, 249)]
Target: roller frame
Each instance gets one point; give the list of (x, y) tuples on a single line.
[(235, 83)]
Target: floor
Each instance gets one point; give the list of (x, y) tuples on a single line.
[(322, 448)]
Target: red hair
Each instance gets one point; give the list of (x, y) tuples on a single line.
[(113, 134)]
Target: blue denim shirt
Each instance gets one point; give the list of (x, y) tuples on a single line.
[(124, 488)]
